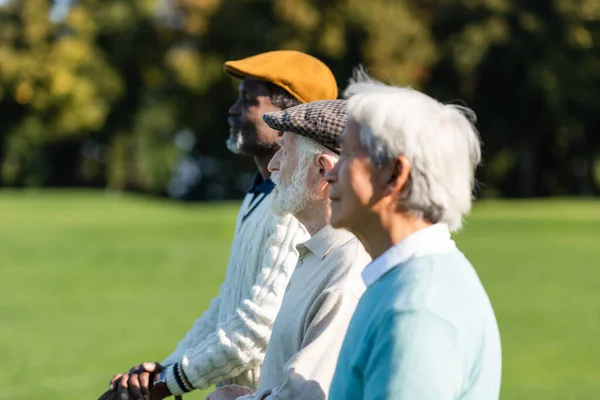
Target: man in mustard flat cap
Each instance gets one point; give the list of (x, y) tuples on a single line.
[(326, 284), (227, 344)]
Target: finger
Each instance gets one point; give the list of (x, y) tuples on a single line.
[(135, 368), (134, 387), (122, 387), (113, 381), (145, 384)]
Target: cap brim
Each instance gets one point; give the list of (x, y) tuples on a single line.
[(239, 69), (233, 70)]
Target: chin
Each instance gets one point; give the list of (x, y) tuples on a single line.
[(234, 145), (241, 141), (337, 219), (337, 223), (276, 207)]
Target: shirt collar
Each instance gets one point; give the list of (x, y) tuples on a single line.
[(434, 239), (324, 241), (260, 185)]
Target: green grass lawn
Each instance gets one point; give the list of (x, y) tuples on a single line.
[(91, 283)]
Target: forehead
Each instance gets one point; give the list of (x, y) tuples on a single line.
[(288, 138), (254, 86)]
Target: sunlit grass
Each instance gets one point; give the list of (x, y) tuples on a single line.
[(92, 283)]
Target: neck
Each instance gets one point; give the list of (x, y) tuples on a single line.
[(314, 218), (262, 162), (388, 231)]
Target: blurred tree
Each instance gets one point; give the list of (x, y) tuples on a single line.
[(94, 92), (54, 84), (529, 69)]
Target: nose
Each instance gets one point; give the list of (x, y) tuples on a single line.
[(274, 163), (331, 175), (236, 109)]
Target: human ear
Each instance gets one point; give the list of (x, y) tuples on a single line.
[(399, 170), (326, 163)]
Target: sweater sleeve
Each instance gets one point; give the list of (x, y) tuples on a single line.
[(310, 371), (239, 342)]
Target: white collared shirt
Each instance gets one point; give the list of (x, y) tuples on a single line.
[(434, 239)]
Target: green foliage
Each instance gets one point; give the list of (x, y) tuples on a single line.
[(130, 74)]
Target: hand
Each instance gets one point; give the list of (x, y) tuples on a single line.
[(229, 392), (108, 395), (159, 391), (137, 383)]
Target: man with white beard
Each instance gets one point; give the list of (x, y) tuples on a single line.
[(227, 343), (326, 284)]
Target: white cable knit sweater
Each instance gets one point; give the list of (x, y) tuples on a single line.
[(227, 343)]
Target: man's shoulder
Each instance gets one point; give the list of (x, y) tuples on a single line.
[(415, 278), (345, 263), (349, 248), (444, 286), (405, 287)]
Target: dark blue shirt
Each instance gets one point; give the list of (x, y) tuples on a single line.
[(259, 186)]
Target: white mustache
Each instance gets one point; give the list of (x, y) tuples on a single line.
[(276, 178)]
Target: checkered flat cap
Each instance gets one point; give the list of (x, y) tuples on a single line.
[(322, 121)]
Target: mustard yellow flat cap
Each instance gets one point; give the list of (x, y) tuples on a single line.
[(300, 74)]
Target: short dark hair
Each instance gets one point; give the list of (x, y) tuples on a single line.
[(281, 98)]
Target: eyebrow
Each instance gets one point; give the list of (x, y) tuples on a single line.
[(242, 88)]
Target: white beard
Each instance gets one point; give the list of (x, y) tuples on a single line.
[(292, 198), (235, 142)]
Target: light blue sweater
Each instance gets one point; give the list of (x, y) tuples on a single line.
[(424, 331)]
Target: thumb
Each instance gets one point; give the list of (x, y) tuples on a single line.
[(152, 367)]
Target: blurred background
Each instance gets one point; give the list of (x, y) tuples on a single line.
[(117, 190), (130, 95)]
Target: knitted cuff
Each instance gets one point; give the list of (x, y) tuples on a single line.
[(177, 381)]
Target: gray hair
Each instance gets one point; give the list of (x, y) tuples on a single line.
[(439, 141), (281, 98), (307, 151)]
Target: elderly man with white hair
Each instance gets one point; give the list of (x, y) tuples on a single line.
[(425, 327), (326, 284)]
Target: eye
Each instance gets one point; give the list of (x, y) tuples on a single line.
[(250, 99)]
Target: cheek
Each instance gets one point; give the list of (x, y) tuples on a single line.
[(250, 115), (345, 211), (357, 184), (286, 173)]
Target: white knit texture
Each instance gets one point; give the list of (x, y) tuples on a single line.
[(227, 343)]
